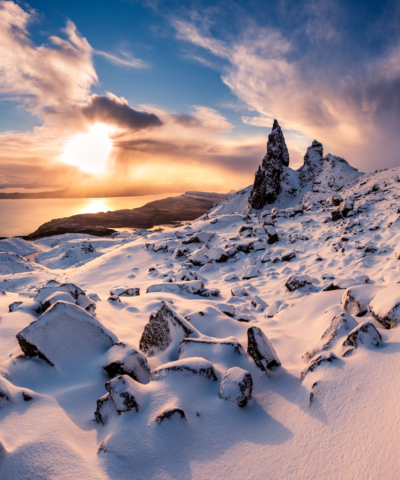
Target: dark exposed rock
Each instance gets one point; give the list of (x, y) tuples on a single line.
[(236, 386), (26, 397), (14, 306), (122, 392), (187, 366), (316, 362), (288, 256), (104, 407), (272, 235), (312, 163), (123, 359), (348, 206), (261, 350), (340, 325), (202, 237), (163, 329), (267, 183), (336, 215), (337, 200), (168, 414), (114, 299), (297, 281), (364, 334)]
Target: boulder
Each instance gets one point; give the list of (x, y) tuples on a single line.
[(261, 350), (126, 394), (286, 257), (125, 292), (297, 281), (386, 306), (123, 359), (231, 277), (65, 334), (46, 296), (13, 307), (364, 334), (267, 183), (250, 272), (164, 332), (170, 413), (239, 292), (323, 358), (186, 367), (258, 303), (105, 409), (356, 299), (54, 298), (340, 326), (273, 309), (226, 308), (272, 234), (336, 215), (202, 237), (236, 386), (336, 200)]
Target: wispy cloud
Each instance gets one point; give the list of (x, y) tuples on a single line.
[(124, 60)]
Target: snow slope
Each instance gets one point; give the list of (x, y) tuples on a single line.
[(328, 411)]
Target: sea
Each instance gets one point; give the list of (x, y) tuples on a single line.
[(24, 216)]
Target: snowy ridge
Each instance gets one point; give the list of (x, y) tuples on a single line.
[(219, 349)]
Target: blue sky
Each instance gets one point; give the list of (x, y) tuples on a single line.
[(325, 69)]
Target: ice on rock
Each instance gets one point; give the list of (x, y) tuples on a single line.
[(236, 386), (184, 367), (364, 334), (386, 306), (164, 332), (65, 334), (356, 299), (124, 359), (261, 350)]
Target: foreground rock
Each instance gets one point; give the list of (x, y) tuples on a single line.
[(356, 299), (164, 332), (236, 386), (261, 350), (65, 334), (363, 334), (124, 359), (386, 306)]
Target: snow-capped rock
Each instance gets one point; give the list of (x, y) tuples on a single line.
[(185, 367), (356, 299), (386, 306), (312, 166), (125, 291), (236, 386), (123, 359), (261, 350), (65, 334), (364, 334)]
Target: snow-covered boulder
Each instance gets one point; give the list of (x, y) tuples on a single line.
[(125, 291), (286, 257), (250, 272), (11, 263), (236, 386), (186, 367), (53, 290), (65, 255), (202, 237), (323, 358), (104, 409), (297, 281), (54, 298), (65, 334), (272, 234), (226, 308), (356, 299), (386, 306), (364, 334), (340, 326), (258, 303), (126, 394), (261, 350), (124, 359), (273, 309), (13, 307), (164, 332)]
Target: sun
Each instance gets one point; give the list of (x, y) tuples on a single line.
[(89, 151)]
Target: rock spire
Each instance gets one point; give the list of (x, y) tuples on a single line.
[(267, 183)]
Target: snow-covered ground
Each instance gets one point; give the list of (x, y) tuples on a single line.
[(266, 347)]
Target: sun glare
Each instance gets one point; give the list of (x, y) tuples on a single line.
[(89, 151)]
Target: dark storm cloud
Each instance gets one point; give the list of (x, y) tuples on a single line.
[(113, 111)]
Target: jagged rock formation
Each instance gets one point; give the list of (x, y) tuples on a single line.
[(267, 183), (312, 163)]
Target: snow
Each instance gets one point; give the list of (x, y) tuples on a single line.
[(188, 423)]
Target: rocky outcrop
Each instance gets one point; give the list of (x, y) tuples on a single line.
[(267, 183), (312, 163)]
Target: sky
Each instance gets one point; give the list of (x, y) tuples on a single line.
[(181, 95)]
